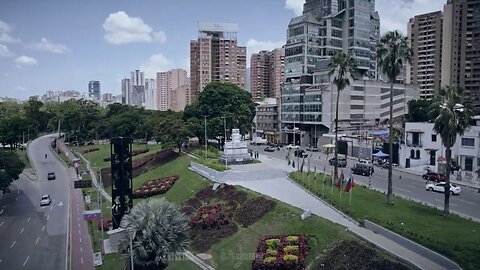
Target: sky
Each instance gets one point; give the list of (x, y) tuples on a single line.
[(63, 44)]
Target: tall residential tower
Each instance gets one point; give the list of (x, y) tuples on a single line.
[(94, 90), (267, 73)]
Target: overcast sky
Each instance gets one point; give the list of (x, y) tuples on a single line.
[(62, 45)]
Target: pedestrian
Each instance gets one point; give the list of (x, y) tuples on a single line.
[(293, 163)]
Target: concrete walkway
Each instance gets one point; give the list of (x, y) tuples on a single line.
[(271, 178)]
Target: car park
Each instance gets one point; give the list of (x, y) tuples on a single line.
[(362, 169), (269, 149), (440, 187), (342, 162), (51, 175), (433, 176), (45, 200)]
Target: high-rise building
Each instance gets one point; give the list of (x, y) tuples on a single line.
[(424, 34), (325, 28), (94, 90), (267, 73), (167, 82), (180, 98), (126, 91), (461, 47), (150, 95), (137, 88), (215, 56)]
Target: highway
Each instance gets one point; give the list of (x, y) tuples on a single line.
[(35, 237), (405, 184)]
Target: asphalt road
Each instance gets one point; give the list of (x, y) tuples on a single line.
[(406, 184), (35, 237)]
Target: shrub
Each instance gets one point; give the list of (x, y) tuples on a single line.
[(290, 257), (206, 194), (89, 150), (193, 202), (292, 238), (252, 210), (209, 217), (288, 249), (274, 252), (273, 242), (230, 193), (268, 260), (155, 187), (202, 240)]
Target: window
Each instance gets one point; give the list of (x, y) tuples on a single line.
[(418, 154), (434, 137), (412, 154), (470, 142), (468, 164)]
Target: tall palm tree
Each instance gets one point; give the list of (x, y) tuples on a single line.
[(342, 68), (157, 229), (452, 114), (392, 53)]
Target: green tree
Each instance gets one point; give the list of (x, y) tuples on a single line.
[(452, 114), (418, 110), (392, 53), (157, 229), (219, 100), (36, 115), (10, 168), (342, 68), (172, 132)]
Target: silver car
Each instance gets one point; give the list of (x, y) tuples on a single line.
[(45, 200), (440, 187)]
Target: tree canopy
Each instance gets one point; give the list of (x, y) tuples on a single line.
[(10, 168), (418, 110)]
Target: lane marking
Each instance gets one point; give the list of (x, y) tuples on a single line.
[(79, 225), (36, 242), (81, 260), (404, 190), (80, 239), (22, 230), (26, 260), (48, 216), (43, 228), (13, 244), (2, 223), (28, 220), (16, 199), (79, 232), (81, 249), (51, 207), (1, 211)]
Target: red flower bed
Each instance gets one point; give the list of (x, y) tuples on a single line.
[(252, 210), (134, 153), (154, 187), (209, 217), (89, 150), (285, 251)]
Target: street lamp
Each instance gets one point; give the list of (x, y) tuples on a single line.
[(225, 140), (205, 116)]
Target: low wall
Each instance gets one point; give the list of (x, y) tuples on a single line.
[(419, 249), (206, 171)]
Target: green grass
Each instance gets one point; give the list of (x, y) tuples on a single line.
[(455, 237), (199, 151), (22, 155), (96, 157)]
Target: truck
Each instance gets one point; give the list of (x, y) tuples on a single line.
[(258, 140)]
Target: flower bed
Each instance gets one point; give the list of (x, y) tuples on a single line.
[(134, 153), (253, 210), (281, 252), (89, 150), (209, 217), (154, 187)]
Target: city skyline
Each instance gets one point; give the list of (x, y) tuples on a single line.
[(117, 38)]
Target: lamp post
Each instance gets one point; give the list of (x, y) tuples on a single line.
[(225, 140), (205, 116)]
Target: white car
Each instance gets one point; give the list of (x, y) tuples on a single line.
[(440, 187), (45, 200), (290, 146)]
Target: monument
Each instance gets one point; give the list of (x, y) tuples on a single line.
[(235, 151)]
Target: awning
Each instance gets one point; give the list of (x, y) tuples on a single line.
[(431, 149), (329, 145), (415, 131), (380, 154)]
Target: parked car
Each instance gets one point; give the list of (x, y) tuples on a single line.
[(258, 141), (291, 146), (433, 176), (51, 175), (362, 169), (300, 153), (45, 200), (342, 162), (367, 163), (269, 149), (312, 148), (440, 187)]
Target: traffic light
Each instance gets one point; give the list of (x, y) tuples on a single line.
[(121, 173)]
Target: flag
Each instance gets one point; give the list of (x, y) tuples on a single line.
[(350, 185), (92, 215), (340, 180)]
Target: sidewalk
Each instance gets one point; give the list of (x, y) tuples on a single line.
[(274, 172)]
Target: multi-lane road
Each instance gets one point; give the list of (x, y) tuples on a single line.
[(405, 184), (35, 237)]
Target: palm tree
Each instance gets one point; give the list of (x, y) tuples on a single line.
[(342, 68), (392, 54), (158, 230), (452, 114)]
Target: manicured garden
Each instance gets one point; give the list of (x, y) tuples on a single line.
[(213, 154), (455, 237)]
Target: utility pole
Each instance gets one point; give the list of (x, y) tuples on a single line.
[(205, 116), (225, 141)]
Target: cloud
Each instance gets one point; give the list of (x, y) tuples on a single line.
[(5, 37), (20, 88), (46, 45), (156, 63), (25, 61), (4, 51), (121, 28), (254, 46), (295, 5)]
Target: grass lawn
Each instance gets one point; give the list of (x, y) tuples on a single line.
[(96, 157), (22, 155), (455, 237)]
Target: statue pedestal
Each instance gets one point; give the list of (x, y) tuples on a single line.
[(235, 151)]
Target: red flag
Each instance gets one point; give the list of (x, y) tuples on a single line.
[(340, 181), (350, 185)]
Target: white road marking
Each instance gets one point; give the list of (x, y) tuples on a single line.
[(51, 207), (16, 199), (79, 232), (81, 260), (22, 230), (28, 220), (13, 244), (26, 260), (404, 190), (60, 203), (43, 228), (48, 216), (80, 239), (2, 223), (79, 225), (53, 200), (1, 211), (36, 242), (81, 249)]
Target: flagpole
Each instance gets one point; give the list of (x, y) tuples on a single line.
[(331, 189)]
